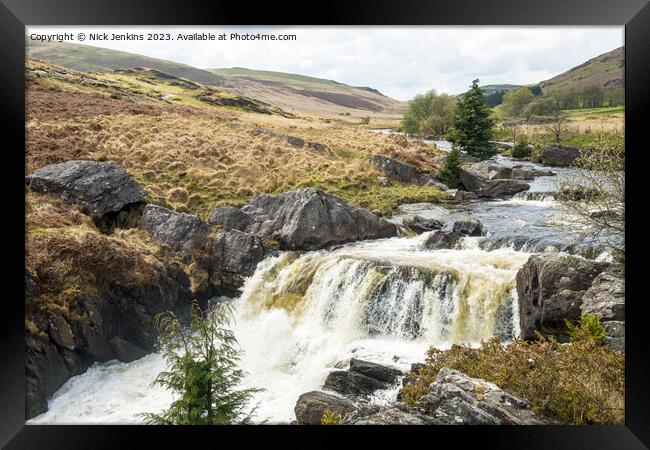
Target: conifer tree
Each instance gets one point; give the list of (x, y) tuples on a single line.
[(473, 124)]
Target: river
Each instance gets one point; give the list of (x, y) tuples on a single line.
[(302, 315)]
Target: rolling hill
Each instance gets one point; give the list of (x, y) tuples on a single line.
[(87, 58), (604, 71), (299, 92), (288, 91)]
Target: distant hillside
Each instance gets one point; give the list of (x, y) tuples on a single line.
[(300, 92), (603, 71), (94, 59), (284, 90)]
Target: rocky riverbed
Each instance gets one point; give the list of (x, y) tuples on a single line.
[(324, 291)]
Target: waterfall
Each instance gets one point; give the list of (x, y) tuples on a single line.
[(303, 314)]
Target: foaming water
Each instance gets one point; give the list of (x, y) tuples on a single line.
[(302, 315)]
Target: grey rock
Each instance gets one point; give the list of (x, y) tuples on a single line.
[(550, 288), (456, 398), (605, 297), (310, 219), (184, 233), (484, 187), (401, 171), (98, 188), (559, 155), (230, 218), (379, 372), (310, 406), (389, 416), (468, 226), (234, 256), (615, 334), (442, 240), (419, 224), (363, 378)]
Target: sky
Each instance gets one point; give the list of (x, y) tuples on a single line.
[(398, 61)]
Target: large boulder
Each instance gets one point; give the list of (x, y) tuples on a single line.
[(311, 405), (101, 190), (551, 289), (484, 187), (184, 233), (230, 218), (400, 171), (310, 219), (454, 398), (559, 155)]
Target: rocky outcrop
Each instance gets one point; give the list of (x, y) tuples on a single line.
[(311, 405), (362, 378), (605, 297), (551, 288), (116, 323), (310, 219), (230, 218), (484, 187), (105, 192), (419, 224), (184, 233), (400, 171), (453, 398), (397, 414), (559, 155)]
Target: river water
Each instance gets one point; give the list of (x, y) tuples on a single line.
[(304, 314)]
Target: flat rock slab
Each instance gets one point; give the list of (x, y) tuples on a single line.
[(97, 188)]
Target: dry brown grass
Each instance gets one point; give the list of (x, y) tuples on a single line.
[(195, 160), (70, 259)]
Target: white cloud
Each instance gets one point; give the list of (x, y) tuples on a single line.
[(399, 61)]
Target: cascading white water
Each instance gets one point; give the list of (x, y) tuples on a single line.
[(303, 314)]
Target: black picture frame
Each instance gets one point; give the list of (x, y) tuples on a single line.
[(15, 14)]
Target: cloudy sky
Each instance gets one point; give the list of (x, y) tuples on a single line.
[(398, 61)]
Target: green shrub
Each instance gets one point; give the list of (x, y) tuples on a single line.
[(578, 383), (202, 370), (588, 327), (521, 150), (330, 418), (450, 172)]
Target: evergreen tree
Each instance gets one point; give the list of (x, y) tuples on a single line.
[(202, 361), (450, 172), (473, 124)]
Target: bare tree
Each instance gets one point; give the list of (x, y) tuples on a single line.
[(595, 197), (557, 125)]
